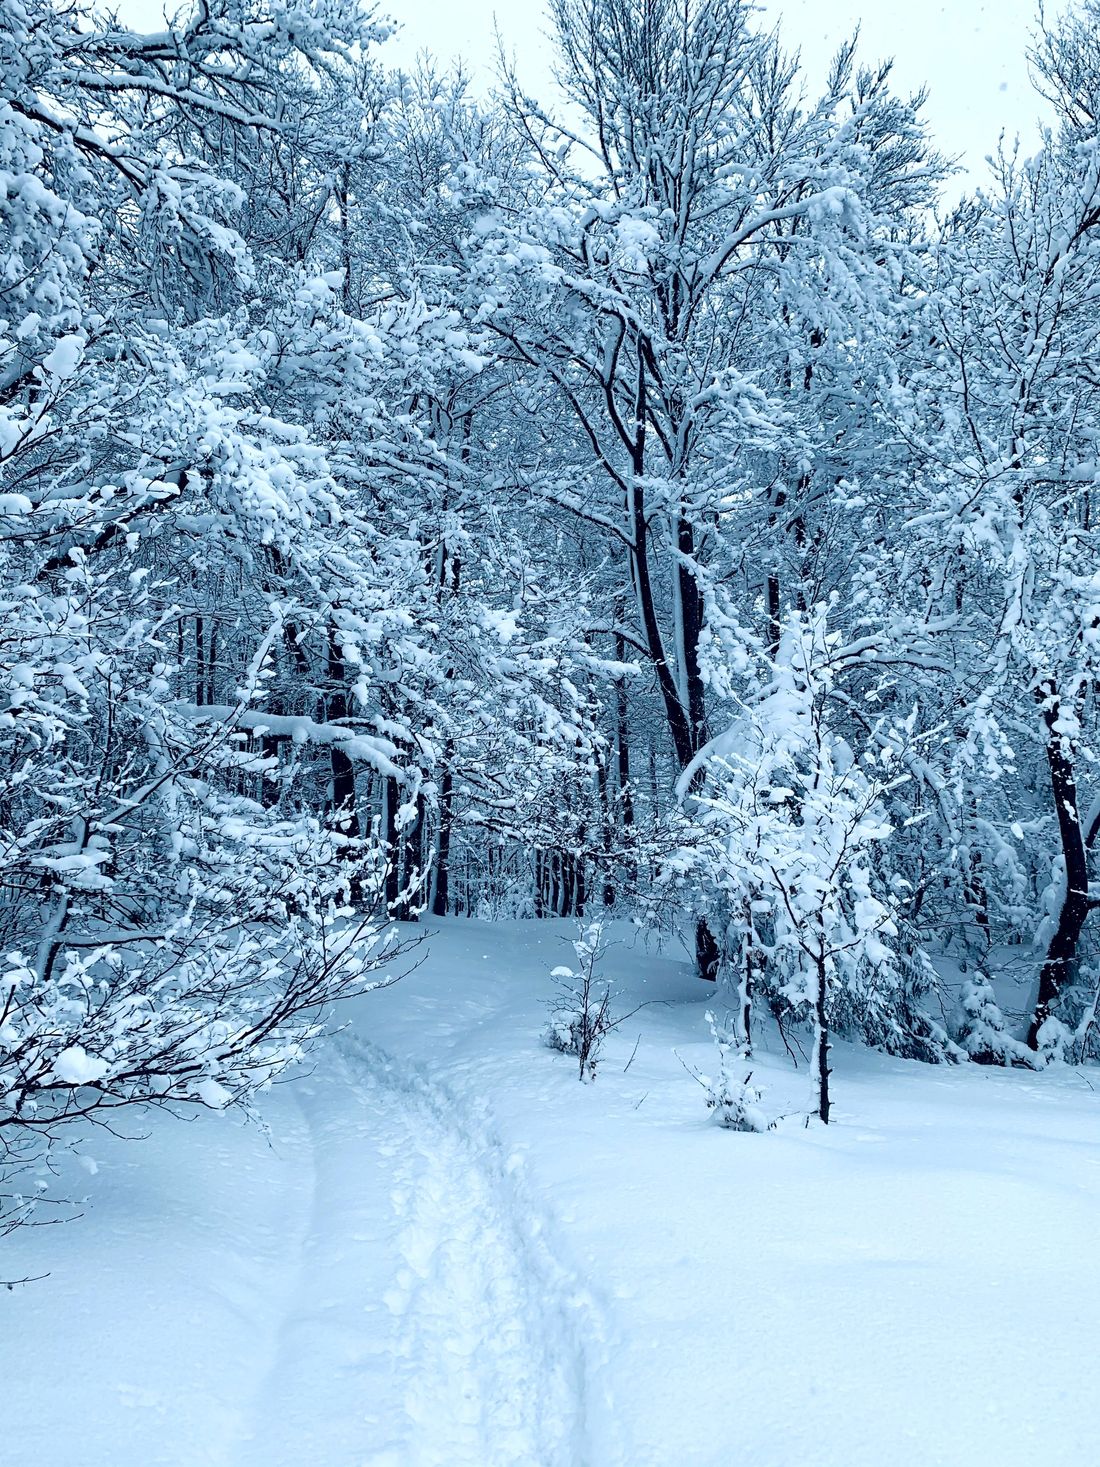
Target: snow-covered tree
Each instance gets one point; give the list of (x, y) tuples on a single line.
[(683, 257), (178, 905), (784, 848), (1000, 418)]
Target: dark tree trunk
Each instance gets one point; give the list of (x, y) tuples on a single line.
[(707, 953), (773, 606), (622, 738), (412, 862), (442, 874), (745, 1010), (568, 884), (390, 799), (211, 689), (686, 725), (821, 1044), (343, 799), (343, 790), (977, 898), (343, 771), (200, 663), (603, 800), (1057, 969), (678, 721), (691, 612)]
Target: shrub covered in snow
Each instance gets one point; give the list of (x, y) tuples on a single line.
[(985, 1036), (732, 1098)]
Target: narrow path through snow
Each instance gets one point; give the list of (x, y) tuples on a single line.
[(430, 1323)]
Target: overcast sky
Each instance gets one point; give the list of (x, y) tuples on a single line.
[(970, 52)]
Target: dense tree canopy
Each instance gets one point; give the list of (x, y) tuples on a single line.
[(643, 499)]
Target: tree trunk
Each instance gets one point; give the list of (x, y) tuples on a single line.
[(685, 713), (343, 801), (412, 861), (775, 624), (691, 628), (821, 1044), (603, 800), (622, 736), (200, 669), (211, 689), (1057, 969), (390, 797), (569, 885), (441, 877), (708, 955), (678, 722), (752, 959)]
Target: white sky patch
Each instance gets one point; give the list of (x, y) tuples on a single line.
[(971, 54)]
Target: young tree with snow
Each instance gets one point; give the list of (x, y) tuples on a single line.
[(786, 855)]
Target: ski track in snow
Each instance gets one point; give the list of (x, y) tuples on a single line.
[(432, 1325)]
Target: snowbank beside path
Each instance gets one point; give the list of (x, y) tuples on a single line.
[(915, 1285), (152, 1326)]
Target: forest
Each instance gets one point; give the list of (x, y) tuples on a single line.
[(665, 506)]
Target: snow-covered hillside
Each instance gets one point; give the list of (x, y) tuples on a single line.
[(449, 1253)]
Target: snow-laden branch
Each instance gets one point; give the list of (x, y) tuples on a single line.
[(380, 753)]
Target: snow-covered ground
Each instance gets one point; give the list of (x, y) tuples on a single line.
[(448, 1253)]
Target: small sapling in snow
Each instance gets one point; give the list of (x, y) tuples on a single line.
[(581, 1016)]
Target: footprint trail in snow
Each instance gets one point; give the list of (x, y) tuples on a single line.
[(430, 1323)]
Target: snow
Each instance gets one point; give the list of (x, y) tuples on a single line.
[(212, 1094), (65, 357), (75, 1066), (638, 240), (446, 1251)]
